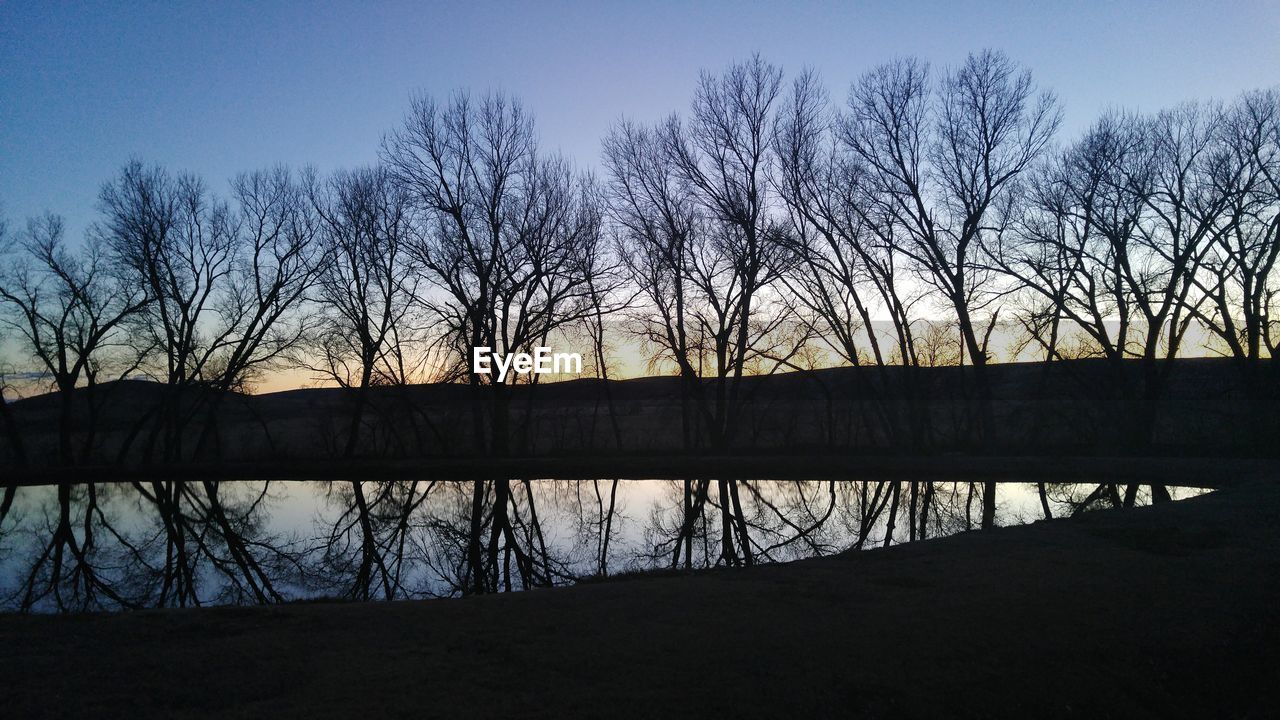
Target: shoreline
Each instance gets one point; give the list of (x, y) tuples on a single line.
[(1193, 471)]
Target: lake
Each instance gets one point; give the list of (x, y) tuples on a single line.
[(111, 546)]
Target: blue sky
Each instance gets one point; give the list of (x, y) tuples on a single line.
[(222, 87)]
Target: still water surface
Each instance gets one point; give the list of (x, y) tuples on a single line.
[(110, 546)]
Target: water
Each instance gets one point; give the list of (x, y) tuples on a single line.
[(108, 546)]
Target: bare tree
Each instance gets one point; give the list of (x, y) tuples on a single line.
[(1237, 276), (276, 262), (1182, 207), (169, 236), (721, 158), (657, 226), (942, 163), (1116, 240), (508, 239), (69, 312), (224, 282), (844, 274), (693, 207), (365, 291), (1067, 248), (608, 293), (366, 296)]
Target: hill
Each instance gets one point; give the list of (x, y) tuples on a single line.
[(1064, 408)]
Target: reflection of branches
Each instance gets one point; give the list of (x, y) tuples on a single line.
[(802, 506), (366, 551), (516, 536), (407, 538), (489, 537), (597, 528), (243, 569), (187, 543), (757, 521), (1079, 499), (6, 502), (191, 536), (68, 568), (789, 520), (867, 505), (210, 538)]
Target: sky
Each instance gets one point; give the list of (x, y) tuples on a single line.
[(219, 88)]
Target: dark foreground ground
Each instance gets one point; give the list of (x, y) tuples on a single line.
[(1158, 612)]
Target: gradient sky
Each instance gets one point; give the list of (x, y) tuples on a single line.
[(221, 87)]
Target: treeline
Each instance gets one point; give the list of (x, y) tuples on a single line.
[(767, 228)]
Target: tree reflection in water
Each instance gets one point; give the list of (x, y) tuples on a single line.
[(95, 546), (108, 546)]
